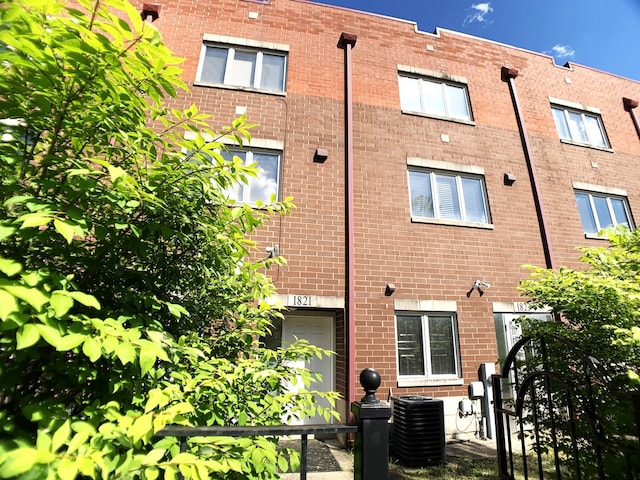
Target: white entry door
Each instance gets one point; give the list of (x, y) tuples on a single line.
[(317, 330)]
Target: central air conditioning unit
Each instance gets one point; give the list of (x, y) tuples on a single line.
[(418, 430)]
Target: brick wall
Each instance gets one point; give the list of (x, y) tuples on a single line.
[(424, 261)]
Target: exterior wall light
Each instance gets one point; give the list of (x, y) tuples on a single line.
[(321, 155), (509, 179)]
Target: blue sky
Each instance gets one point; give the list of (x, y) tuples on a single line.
[(603, 34)]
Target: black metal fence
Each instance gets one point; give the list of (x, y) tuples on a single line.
[(561, 415), (259, 431), (371, 442)]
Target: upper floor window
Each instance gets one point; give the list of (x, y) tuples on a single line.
[(427, 345), (579, 126), (242, 66), (434, 96), (448, 196), (601, 210), (267, 182)]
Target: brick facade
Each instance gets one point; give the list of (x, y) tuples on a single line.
[(426, 262)]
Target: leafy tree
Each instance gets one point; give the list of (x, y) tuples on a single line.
[(598, 333), (127, 297)]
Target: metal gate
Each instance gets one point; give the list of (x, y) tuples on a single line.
[(561, 415)]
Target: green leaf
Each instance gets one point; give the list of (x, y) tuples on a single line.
[(6, 231), (36, 219), (176, 310), (33, 296), (92, 349), (147, 359), (65, 228), (84, 299), (78, 439), (61, 303), (67, 469), (61, 436), (50, 335), (154, 456), (18, 461), (70, 341), (26, 336), (125, 352), (151, 473), (10, 267), (8, 304), (142, 427), (283, 465)]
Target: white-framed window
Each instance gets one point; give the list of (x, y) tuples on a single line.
[(265, 185), (434, 96), (579, 126), (241, 66), (601, 210), (428, 345), (447, 195)]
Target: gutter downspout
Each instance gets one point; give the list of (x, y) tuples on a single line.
[(629, 106), (347, 42), (508, 75)]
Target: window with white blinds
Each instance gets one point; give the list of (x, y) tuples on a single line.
[(448, 196)]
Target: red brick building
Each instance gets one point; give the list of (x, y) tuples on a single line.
[(419, 163)]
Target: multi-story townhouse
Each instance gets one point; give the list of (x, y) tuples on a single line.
[(419, 164)]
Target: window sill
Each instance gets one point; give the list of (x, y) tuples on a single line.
[(239, 88), (452, 223), (595, 236), (438, 117), (429, 382), (587, 145)]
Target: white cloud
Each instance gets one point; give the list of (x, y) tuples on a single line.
[(561, 51), (479, 13)]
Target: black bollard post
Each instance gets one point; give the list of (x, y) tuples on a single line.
[(371, 446)]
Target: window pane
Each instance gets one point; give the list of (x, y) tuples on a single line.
[(244, 67), (410, 94), (433, 98), (441, 347), (421, 197), (236, 191), (457, 102), (272, 72), (561, 124), (410, 351), (448, 204), (620, 212), (576, 127), (596, 136), (474, 200), (586, 215), (602, 212), (266, 184), (215, 61)]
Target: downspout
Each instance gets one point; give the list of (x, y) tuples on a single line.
[(629, 106), (347, 42), (508, 75)]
